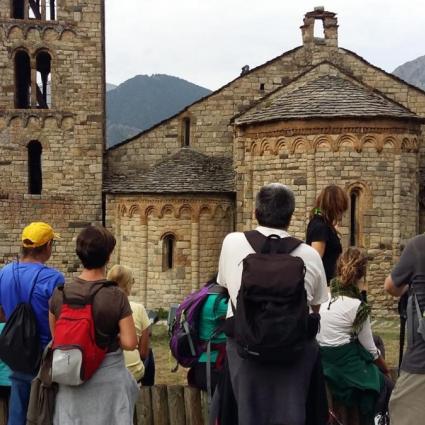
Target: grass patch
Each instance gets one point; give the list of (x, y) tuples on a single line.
[(387, 329)]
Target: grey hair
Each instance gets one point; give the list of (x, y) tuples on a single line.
[(274, 206)]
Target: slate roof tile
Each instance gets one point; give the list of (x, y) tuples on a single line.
[(327, 97), (184, 172)]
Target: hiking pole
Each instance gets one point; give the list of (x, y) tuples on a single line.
[(402, 311), (334, 417)]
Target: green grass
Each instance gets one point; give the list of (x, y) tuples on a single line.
[(388, 329)]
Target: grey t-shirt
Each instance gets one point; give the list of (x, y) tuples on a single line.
[(411, 270)]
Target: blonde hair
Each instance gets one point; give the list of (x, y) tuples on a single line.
[(351, 266), (123, 276)]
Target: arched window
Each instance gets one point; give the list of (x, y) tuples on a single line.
[(34, 167), (43, 87), (34, 9), (22, 79), (168, 246)]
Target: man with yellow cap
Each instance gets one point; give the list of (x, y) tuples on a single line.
[(29, 279)]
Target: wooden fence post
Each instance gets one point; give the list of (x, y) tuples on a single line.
[(144, 407), (176, 406), (192, 399), (160, 405)]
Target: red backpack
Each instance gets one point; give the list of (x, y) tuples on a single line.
[(76, 355)]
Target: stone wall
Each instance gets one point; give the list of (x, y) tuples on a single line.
[(379, 168), (71, 131), (198, 223)]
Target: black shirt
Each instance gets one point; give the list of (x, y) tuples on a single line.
[(319, 231)]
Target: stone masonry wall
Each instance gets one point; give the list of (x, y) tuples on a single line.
[(139, 223), (70, 131), (383, 176)]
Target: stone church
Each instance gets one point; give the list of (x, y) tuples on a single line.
[(315, 115)]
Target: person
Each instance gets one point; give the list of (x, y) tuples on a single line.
[(134, 360), (18, 279), (408, 278), (268, 393), (211, 321), (109, 396), (5, 373), (354, 368), (322, 233)]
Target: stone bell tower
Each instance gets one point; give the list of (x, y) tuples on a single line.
[(52, 119)]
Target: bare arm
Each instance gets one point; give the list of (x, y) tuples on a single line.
[(395, 291), (320, 247), (127, 336), (144, 344), (315, 308), (380, 362), (52, 323)]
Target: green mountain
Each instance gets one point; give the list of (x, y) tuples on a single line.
[(143, 101), (413, 72)]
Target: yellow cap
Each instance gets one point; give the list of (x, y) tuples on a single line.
[(37, 234)]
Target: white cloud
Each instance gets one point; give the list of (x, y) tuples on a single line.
[(208, 41)]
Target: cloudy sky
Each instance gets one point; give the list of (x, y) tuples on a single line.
[(208, 41)]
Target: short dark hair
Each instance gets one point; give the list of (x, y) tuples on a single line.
[(94, 246), (274, 206), (33, 252)]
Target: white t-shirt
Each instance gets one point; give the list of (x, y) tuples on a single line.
[(236, 247), (336, 325)]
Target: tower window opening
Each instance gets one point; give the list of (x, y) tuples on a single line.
[(18, 9), (168, 245), (22, 80), (43, 85), (34, 11), (34, 167), (319, 31), (262, 85), (186, 131), (50, 10), (354, 197)]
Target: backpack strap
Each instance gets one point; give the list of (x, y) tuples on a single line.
[(287, 245), (89, 298), (257, 241), (35, 282)]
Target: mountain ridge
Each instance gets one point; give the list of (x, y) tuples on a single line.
[(144, 100), (413, 72)]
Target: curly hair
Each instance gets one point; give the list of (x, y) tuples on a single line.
[(351, 266)]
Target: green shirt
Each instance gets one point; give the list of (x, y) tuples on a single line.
[(212, 315)]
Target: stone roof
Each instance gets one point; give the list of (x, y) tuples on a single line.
[(327, 97), (185, 171)]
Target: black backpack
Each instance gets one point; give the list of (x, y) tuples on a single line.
[(271, 322), (20, 346)]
